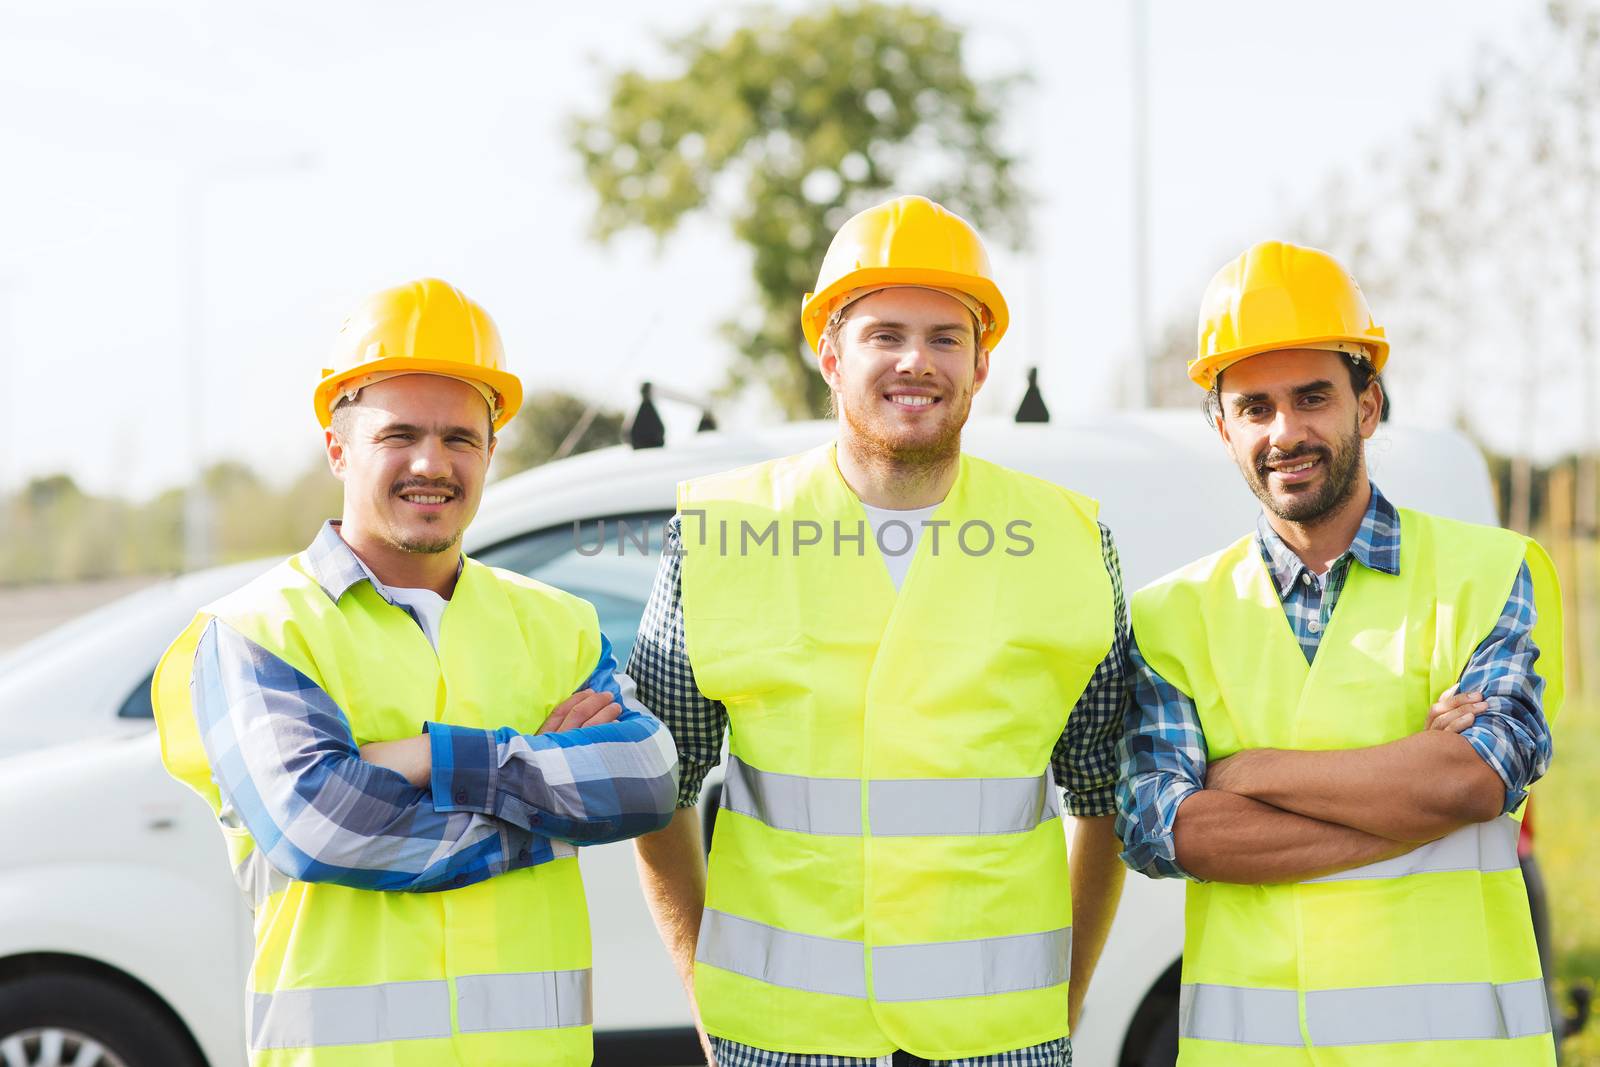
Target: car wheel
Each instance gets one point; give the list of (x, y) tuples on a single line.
[(1162, 1048), (56, 1020)]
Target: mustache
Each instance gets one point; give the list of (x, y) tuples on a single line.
[(451, 488), (1264, 464)]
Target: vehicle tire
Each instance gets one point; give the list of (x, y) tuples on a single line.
[(61, 1018), (1162, 1048)]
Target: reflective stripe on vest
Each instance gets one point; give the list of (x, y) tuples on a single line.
[(918, 807), (934, 971), (1487, 846), (412, 1011), (1443, 1011)]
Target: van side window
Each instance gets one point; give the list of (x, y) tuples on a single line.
[(609, 561)]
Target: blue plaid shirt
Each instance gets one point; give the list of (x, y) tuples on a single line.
[(1163, 750), (286, 764), (1084, 760)]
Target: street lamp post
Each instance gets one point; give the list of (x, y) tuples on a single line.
[(198, 519)]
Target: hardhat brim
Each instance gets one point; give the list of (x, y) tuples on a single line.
[(506, 384), (1205, 370), (816, 307)]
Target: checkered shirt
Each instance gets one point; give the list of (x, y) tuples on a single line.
[(1163, 750), (1057, 1053), (288, 769)]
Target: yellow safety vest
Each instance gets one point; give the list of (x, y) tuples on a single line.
[(489, 974), (889, 868), (1425, 959)]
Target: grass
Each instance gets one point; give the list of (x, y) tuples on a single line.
[(1566, 829)]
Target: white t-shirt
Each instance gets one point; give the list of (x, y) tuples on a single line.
[(898, 543), (425, 604)]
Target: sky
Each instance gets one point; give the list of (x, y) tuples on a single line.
[(194, 194)]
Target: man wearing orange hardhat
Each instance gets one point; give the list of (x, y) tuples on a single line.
[(1342, 788), (908, 649), (402, 745)]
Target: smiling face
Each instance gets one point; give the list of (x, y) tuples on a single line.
[(1295, 426), (413, 452), (904, 366)]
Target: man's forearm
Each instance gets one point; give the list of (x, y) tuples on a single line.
[(1416, 789), (672, 872), (1223, 837), (1097, 876)]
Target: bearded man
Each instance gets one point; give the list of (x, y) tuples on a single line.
[(908, 649), (1342, 789)]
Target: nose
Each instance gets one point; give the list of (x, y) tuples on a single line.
[(1288, 430), (429, 459), (914, 358)]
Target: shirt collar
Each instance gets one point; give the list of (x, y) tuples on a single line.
[(336, 567), (1376, 545)]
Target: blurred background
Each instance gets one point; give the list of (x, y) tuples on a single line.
[(193, 194)]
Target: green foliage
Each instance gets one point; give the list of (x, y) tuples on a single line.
[(542, 426), (52, 531), (784, 127)]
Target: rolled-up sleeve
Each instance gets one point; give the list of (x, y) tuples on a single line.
[(1162, 755), (1511, 734), (589, 786)]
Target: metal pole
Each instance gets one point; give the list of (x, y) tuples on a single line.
[(1139, 68), (197, 523)]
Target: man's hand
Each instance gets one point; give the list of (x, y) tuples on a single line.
[(411, 757), (583, 708), (1455, 711)]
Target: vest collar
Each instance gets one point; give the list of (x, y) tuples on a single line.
[(1376, 545), (336, 567)]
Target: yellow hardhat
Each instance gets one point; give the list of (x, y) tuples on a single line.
[(1278, 295), (423, 327), (908, 241)]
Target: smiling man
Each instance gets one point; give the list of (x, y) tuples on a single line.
[(908, 649), (1342, 788), (401, 745)]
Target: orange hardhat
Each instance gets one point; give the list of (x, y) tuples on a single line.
[(909, 240), (423, 327), (1278, 295)]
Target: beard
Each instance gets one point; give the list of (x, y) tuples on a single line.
[(428, 546), (427, 543), (878, 439), (1342, 464)]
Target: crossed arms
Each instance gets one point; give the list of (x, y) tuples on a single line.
[(487, 802), (1264, 816), (1267, 815)]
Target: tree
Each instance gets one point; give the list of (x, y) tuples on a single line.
[(542, 427), (786, 126)]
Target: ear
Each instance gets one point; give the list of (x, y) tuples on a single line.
[(980, 370), (494, 443), (828, 363), (336, 453), (1369, 408), (1219, 422)]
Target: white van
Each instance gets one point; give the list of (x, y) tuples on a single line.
[(124, 940)]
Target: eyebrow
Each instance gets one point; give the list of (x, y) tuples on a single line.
[(879, 324), (422, 431), (1244, 400)]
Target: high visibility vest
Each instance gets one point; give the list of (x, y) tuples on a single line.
[(1425, 959), (889, 868), (492, 973)]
